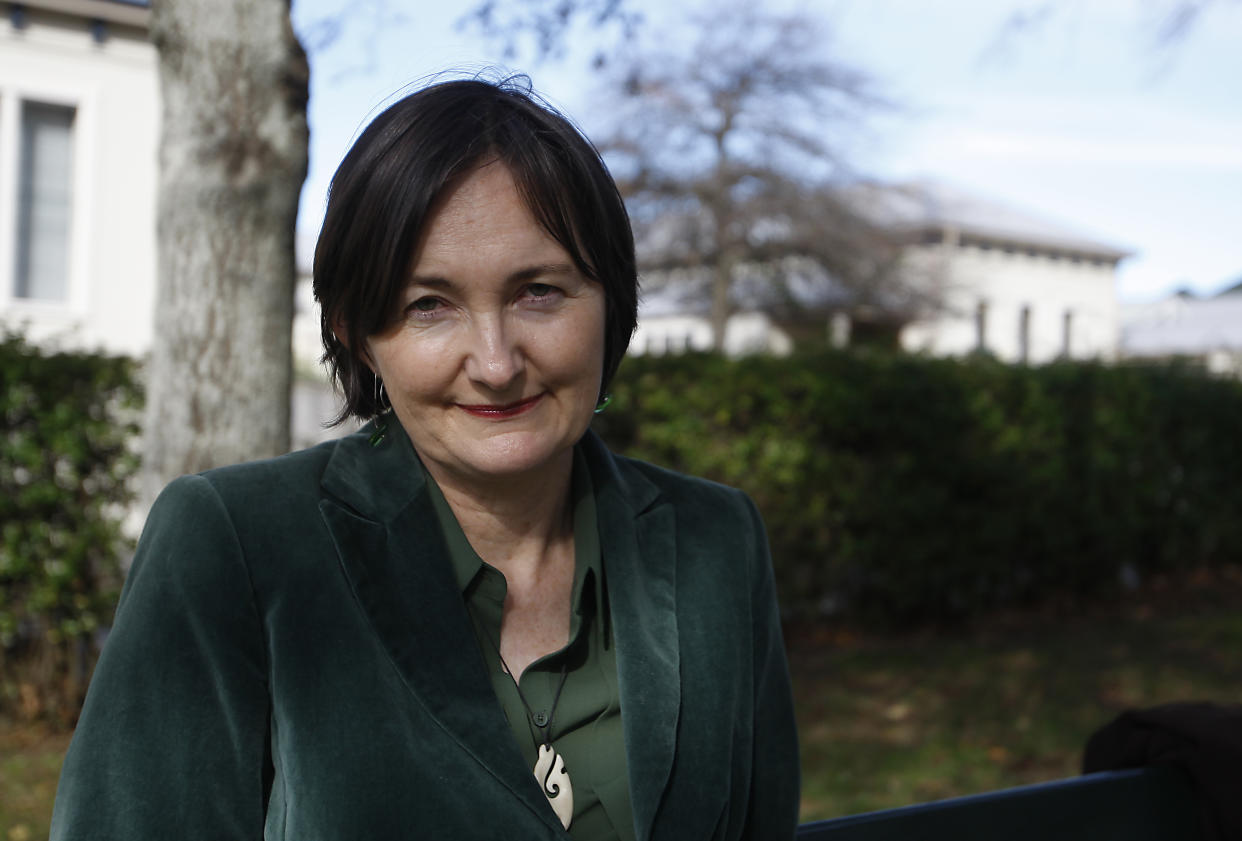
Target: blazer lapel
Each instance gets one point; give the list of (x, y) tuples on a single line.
[(638, 539), (394, 556)]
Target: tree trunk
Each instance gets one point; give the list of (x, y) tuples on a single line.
[(233, 156)]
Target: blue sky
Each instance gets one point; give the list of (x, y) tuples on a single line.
[(1085, 119)]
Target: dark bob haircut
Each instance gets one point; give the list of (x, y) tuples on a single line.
[(383, 191)]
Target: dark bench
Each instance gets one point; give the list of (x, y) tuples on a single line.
[(1144, 804)]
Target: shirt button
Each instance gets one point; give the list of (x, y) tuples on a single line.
[(541, 719)]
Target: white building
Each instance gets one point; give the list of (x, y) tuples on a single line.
[(1009, 283), (667, 325), (1001, 281), (1182, 325), (79, 124), (79, 165), (315, 403)]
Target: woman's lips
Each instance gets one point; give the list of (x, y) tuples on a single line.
[(501, 411)]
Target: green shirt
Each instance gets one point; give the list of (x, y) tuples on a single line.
[(586, 724)]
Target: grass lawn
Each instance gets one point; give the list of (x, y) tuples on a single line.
[(892, 721), (29, 764)]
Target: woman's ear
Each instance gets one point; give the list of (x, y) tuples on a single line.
[(342, 336), (338, 330)]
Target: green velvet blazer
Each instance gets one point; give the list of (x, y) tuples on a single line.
[(292, 659)]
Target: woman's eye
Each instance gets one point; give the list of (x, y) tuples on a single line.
[(540, 290), (424, 305)]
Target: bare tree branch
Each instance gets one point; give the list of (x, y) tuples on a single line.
[(1169, 22), (370, 18), (728, 153), (546, 23)]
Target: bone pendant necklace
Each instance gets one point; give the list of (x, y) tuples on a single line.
[(549, 766), (554, 779)]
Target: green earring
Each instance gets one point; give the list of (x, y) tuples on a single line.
[(381, 431), (603, 404)]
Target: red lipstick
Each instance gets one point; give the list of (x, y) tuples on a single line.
[(501, 411)]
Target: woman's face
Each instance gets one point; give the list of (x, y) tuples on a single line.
[(494, 363)]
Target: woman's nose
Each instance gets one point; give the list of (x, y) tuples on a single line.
[(494, 359)]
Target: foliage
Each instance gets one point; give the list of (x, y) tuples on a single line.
[(65, 465), (907, 490)]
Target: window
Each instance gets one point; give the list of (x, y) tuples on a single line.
[(44, 202)]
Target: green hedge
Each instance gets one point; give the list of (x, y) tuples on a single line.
[(897, 490), (65, 464), (904, 490)]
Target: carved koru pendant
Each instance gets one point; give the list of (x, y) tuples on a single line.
[(554, 780)]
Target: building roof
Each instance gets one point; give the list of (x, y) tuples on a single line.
[(1184, 325), (127, 12), (937, 207), (1235, 289)]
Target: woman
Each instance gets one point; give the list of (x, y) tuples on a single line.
[(383, 636)]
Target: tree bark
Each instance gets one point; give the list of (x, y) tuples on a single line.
[(233, 156)]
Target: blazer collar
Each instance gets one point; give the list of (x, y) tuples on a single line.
[(379, 513), (376, 475), (637, 534)]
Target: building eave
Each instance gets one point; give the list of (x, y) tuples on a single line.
[(917, 209), (125, 14), (1021, 240)]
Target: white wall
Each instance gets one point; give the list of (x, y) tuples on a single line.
[(315, 403), (1008, 281), (113, 88), (746, 332), (1209, 329)]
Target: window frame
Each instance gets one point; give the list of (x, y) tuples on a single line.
[(74, 304)]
